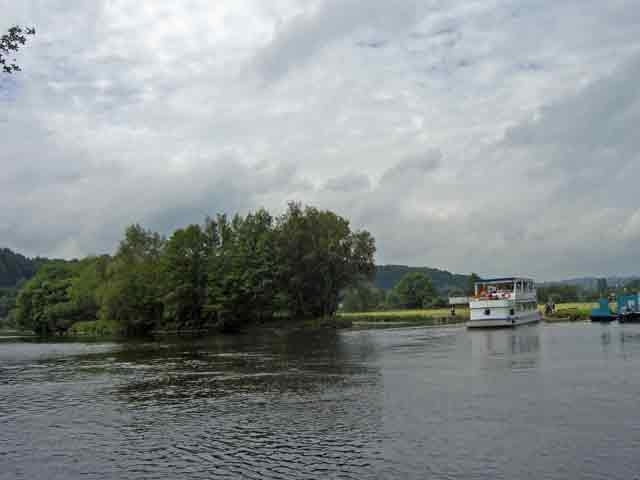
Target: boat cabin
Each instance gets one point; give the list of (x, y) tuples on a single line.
[(505, 288)]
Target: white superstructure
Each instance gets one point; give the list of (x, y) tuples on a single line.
[(503, 302)]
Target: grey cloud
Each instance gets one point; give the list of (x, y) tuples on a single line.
[(122, 116), (351, 182), (306, 34), (414, 165)]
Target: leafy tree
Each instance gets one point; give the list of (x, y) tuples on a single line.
[(243, 269), (10, 43), (15, 268), (7, 301), (473, 279), (184, 272), (44, 304), (415, 291), (631, 285), (132, 293), (363, 297), (388, 276), (225, 273), (318, 256), (559, 293), (86, 286)]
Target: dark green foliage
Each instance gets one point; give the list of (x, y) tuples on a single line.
[(363, 297), (318, 256), (415, 290), (471, 285), (132, 292), (223, 275), (10, 43), (7, 302), (388, 276), (44, 304), (86, 286), (184, 271), (243, 270), (15, 268), (560, 293)]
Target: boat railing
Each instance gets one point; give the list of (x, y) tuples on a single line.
[(505, 296)]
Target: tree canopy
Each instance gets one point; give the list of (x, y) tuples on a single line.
[(415, 290), (222, 274)]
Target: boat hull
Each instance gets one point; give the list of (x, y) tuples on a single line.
[(507, 322), (603, 318), (629, 317)]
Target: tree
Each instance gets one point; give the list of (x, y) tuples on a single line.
[(559, 293), (86, 286), (317, 257), (415, 291), (473, 279), (243, 270), (133, 289), (184, 272), (44, 305), (362, 297), (10, 43), (225, 274)]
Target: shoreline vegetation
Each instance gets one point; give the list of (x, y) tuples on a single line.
[(303, 269), (224, 276), (430, 317)]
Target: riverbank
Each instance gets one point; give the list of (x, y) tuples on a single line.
[(11, 333), (422, 317), (567, 312)]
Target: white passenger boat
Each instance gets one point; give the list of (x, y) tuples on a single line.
[(503, 302)]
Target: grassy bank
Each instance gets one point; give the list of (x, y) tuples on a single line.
[(95, 328), (438, 316), (432, 316), (570, 312)]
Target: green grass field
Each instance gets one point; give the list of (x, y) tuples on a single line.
[(432, 316), (435, 316), (571, 311), (95, 328)]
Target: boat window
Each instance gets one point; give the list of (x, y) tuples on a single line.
[(512, 312), (487, 311)]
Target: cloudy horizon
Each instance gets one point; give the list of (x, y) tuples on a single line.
[(488, 136)]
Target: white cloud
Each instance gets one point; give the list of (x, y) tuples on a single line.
[(495, 136)]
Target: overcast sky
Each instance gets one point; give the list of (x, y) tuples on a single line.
[(492, 136)]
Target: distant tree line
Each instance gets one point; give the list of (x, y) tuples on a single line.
[(388, 276), (567, 294), (222, 274), (415, 290)]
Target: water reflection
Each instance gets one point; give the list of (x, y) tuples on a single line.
[(249, 365), (299, 405), (517, 348), (402, 403)]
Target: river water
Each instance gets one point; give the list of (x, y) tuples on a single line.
[(553, 402)]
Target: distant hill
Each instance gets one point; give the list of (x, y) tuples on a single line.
[(591, 283), (16, 268), (387, 276)]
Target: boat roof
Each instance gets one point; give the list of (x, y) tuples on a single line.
[(503, 280)]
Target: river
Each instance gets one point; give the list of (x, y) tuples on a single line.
[(543, 401)]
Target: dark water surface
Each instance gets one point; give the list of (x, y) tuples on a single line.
[(551, 402)]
